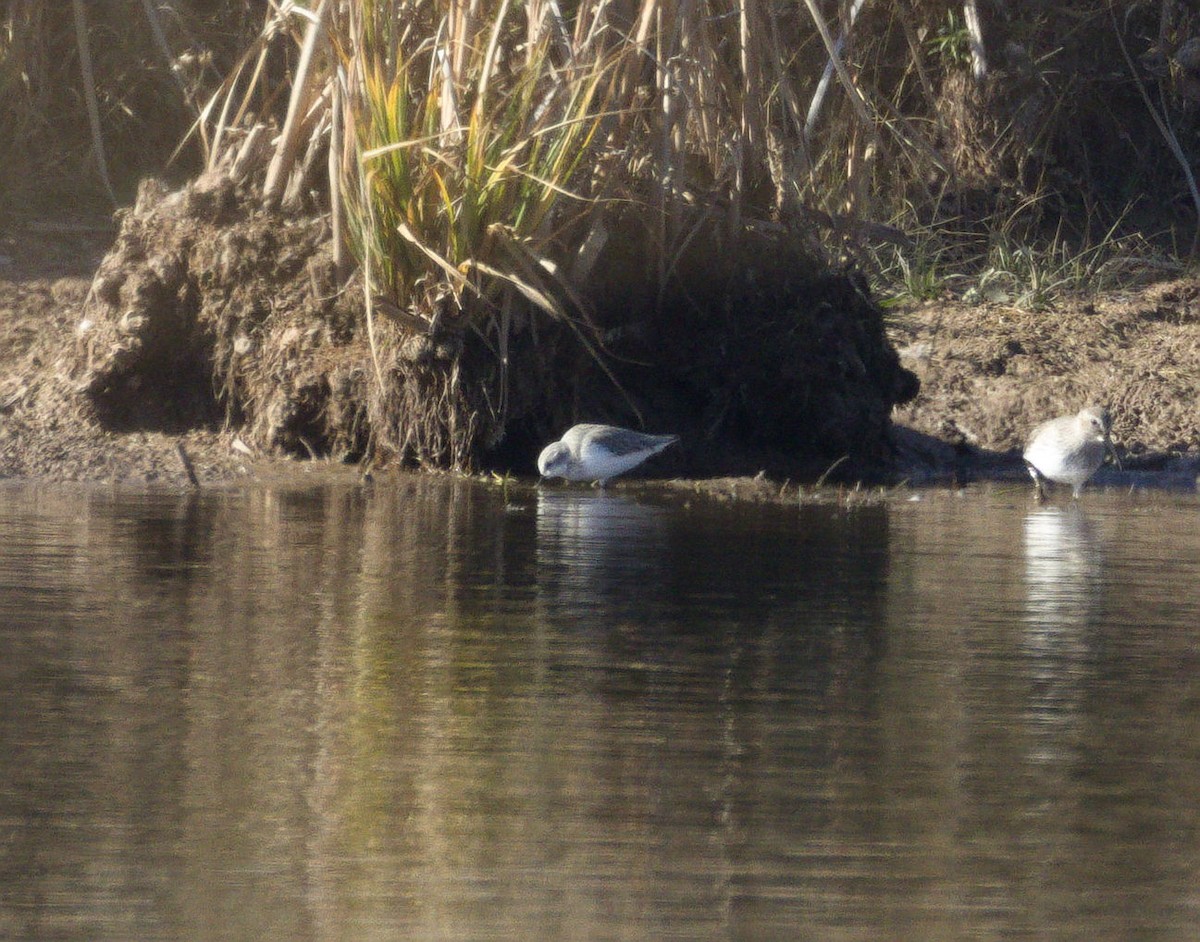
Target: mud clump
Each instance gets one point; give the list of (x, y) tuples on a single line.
[(779, 366), (209, 309)]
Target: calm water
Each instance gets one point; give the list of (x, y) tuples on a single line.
[(411, 712)]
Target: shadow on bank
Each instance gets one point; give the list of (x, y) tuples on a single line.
[(924, 460)]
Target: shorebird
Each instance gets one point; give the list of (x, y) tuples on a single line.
[(1069, 449), (599, 452)]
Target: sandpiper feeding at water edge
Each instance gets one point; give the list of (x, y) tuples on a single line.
[(599, 452), (1069, 449)]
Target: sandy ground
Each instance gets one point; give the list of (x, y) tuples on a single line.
[(989, 373), (47, 430)]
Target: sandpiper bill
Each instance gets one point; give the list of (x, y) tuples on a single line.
[(598, 452), (1069, 449)]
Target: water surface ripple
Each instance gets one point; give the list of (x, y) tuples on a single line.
[(411, 711)]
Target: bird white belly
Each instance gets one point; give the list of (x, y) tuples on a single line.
[(603, 464), (1066, 466)]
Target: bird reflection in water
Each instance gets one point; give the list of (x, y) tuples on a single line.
[(1064, 566), (599, 554)]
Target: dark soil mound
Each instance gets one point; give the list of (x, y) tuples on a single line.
[(988, 375), (211, 309), (758, 356)]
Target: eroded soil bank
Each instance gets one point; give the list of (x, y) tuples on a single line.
[(990, 373), (987, 373)]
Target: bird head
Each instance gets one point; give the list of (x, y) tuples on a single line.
[(553, 460), (1098, 423)]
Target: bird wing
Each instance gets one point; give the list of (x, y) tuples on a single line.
[(622, 441)]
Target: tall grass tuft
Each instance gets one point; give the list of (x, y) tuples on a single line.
[(475, 169), (476, 163)]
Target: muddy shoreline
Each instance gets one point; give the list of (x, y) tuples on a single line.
[(988, 374)]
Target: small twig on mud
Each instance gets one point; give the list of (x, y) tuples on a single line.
[(188, 468), (312, 452), (830, 470)]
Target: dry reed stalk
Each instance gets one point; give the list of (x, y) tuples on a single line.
[(306, 88), (753, 124), (337, 172), (853, 95), (819, 96), (84, 46), (164, 49), (226, 98), (1160, 121)]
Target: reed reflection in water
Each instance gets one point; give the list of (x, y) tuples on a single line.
[(416, 711)]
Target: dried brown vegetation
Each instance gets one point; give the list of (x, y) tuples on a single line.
[(509, 216)]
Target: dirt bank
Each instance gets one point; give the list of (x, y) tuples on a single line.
[(988, 374), (47, 430)]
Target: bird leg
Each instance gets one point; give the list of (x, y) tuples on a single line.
[(1039, 490)]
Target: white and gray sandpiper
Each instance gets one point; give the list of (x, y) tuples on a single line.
[(589, 452), (1069, 449)]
